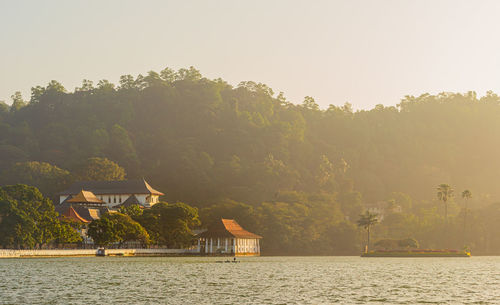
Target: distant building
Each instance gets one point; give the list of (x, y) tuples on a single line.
[(113, 193), (70, 214), (84, 205), (382, 209), (132, 200), (82, 208), (228, 237)]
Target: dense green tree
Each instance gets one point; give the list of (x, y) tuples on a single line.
[(245, 214), (47, 177), (128, 229), (28, 220), (133, 211), (103, 232), (206, 142), (117, 228), (4, 108), (170, 224), (100, 169), (67, 232), (17, 102)]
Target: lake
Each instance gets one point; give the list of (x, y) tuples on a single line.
[(256, 280)]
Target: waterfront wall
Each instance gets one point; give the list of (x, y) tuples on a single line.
[(6, 253)]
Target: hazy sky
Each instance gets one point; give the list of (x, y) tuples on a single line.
[(364, 52)]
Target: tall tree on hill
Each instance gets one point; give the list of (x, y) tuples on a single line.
[(466, 195), (367, 220), (445, 193)]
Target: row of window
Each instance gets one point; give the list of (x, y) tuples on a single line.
[(114, 199), (119, 199)]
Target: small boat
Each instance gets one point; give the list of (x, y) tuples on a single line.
[(228, 261), (101, 252)]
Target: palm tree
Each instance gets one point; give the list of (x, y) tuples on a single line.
[(445, 192), (466, 195), (367, 220)]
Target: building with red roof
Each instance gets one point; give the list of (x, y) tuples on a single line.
[(226, 236), (111, 193)]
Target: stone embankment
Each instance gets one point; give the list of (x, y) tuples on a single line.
[(7, 253)]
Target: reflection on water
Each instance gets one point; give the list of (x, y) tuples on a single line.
[(259, 280)]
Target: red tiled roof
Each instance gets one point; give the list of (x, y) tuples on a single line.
[(71, 214), (228, 228), (85, 197)]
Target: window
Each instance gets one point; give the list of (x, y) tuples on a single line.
[(109, 199), (114, 199)]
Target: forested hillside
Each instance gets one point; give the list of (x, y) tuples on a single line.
[(296, 174)]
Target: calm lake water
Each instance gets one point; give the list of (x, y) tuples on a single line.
[(258, 280)]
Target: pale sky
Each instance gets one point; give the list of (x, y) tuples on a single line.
[(363, 52)]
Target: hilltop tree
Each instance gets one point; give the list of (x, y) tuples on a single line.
[(203, 141), (17, 102), (47, 177), (117, 228), (100, 169)]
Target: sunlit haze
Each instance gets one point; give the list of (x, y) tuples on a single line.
[(250, 152), (362, 52)]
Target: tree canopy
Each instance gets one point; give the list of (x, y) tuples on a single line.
[(28, 220), (212, 145), (170, 224), (117, 228)]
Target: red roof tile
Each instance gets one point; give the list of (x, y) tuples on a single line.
[(85, 197), (71, 214), (228, 228)]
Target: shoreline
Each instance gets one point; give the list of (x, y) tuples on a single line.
[(416, 254), (10, 253)]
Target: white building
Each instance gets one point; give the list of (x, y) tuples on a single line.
[(228, 237), (383, 208), (113, 193)]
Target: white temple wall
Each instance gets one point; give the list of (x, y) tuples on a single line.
[(110, 200)]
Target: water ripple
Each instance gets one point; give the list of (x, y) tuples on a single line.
[(260, 280)]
